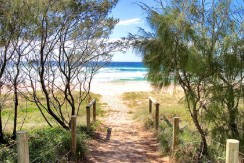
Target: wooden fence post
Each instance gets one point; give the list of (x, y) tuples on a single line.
[(73, 135), (22, 147), (232, 151), (94, 111), (109, 131), (175, 132), (150, 106), (157, 116), (88, 121)]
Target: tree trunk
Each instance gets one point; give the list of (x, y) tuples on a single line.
[(16, 103), (2, 69), (58, 120), (203, 146), (233, 112), (42, 82), (16, 98), (192, 106), (232, 123), (1, 127)]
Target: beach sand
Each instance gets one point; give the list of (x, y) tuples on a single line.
[(118, 88), (128, 142)]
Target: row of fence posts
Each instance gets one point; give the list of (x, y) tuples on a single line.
[(22, 136), (232, 145)]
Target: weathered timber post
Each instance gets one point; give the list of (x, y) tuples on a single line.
[(150, 106), (109, 131), (88, 121), (175, 132), (94, 110), (22, 147), (157, 116), (232, 151), (73, 135)]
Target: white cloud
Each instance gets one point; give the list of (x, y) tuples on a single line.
[(114, 39), (129, 21)]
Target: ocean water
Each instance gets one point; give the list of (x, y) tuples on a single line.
[(121, 71)]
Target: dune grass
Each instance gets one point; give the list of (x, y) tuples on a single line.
[(46, 144), (29, 116), (171, 105)]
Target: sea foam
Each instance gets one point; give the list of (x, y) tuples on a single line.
[(121, 71)]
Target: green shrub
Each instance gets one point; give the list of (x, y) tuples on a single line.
[(81, 149), (165, 134), (8, 150), (187, 150), (149, 122), (8, 154), (51, 144)]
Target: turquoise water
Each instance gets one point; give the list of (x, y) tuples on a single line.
[(122, 71)]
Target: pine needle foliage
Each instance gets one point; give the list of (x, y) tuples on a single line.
[(198, 45)]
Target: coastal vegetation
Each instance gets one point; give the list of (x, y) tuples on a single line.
[(172, 105), (49, 53), (198, 45), (46, 143)]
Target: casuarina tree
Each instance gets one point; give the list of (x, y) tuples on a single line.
[(196, 44)]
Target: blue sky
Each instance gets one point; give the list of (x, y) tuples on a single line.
[(131, 17)]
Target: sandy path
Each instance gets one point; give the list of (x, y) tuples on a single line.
[(128, 141)]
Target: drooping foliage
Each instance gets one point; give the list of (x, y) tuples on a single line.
[(198, 44)]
